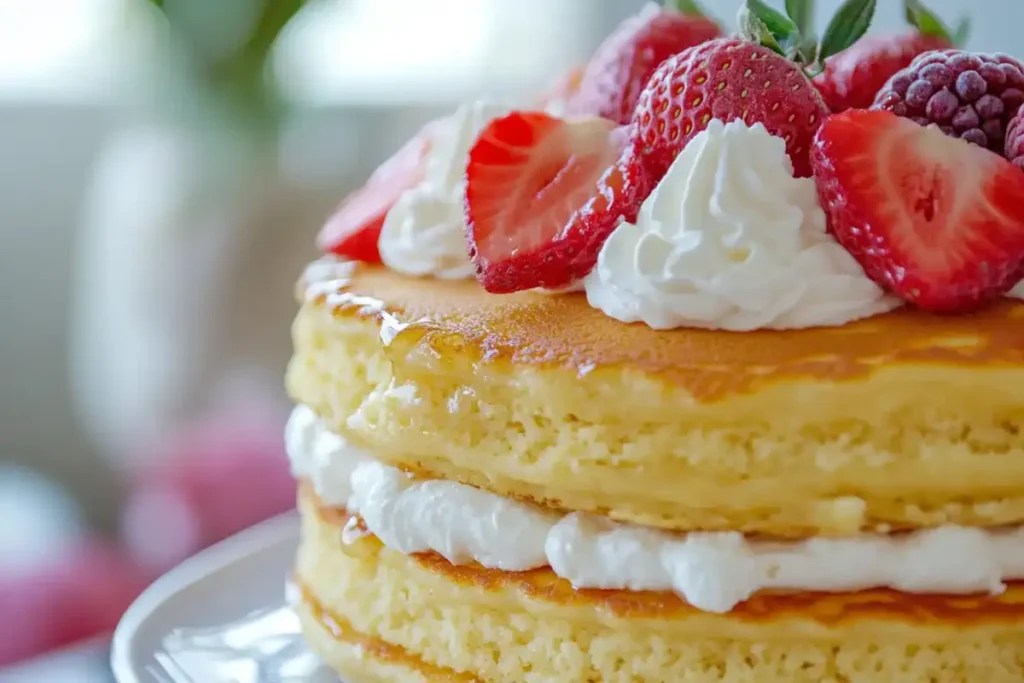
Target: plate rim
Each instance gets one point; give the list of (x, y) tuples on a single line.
[(275, 530)]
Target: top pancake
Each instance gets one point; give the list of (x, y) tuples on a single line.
[(564, 331), (898, 421)]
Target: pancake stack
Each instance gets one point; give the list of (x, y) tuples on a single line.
[(521, 489)]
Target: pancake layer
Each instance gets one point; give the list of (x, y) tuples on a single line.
[(372, 611), (898, 421)]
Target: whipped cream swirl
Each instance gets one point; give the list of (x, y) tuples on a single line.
[(424, 233), (712, 571), (730, 240)]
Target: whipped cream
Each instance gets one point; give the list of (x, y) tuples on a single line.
[(730, 240), (712, 571), (1018, 291), (424, 233)]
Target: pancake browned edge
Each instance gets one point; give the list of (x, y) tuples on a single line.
[(895, 422), (376, 614)]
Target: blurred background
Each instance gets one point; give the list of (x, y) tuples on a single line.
[(164, 167)]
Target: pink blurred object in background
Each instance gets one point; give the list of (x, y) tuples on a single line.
[(208, 482), (74, 595)]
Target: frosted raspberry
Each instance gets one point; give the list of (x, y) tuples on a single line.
[(1015, 140), (969, 95)]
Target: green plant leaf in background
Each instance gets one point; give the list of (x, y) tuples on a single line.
[(225, 47), (962, 32)]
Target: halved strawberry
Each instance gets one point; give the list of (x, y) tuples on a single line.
[(528, 174), (935, 220), (354, 229)]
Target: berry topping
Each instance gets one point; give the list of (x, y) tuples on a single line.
[(930, 218), (354, 229), (852, 78), (1015, 140), (758, 79), (527, 174), (625, 61), (969, 96), (727, 79)]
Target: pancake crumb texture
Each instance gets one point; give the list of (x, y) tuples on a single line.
[(733, 445), (372, 612)]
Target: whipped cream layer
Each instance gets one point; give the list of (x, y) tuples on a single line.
[(711, 571), (730, 240), (424, 233)]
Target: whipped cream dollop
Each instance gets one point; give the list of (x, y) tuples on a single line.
[(424, 233), (730, 240), (712, 571)]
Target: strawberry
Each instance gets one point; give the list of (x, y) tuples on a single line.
[(852, 78), (933, 219), (527, 174), (354, 229), (727, 79), (724, 78), (624, 62)]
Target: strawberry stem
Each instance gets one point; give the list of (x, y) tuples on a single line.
[(791, 34)]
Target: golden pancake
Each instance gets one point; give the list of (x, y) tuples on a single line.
[(372, 611), (898, 421)]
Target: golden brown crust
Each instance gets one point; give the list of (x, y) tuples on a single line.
[(374, 648), (565, 331)]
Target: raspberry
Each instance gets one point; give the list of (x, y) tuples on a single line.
[(1015, 140), (968, 95)]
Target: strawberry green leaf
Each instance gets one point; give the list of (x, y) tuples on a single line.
[(848, 26), (779, 25), (755, 30), (690, 8), (925, 21), (962, 32), (802, 14)]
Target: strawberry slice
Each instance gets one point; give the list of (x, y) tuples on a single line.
[(935, 220), (354, 229), (528, 175)]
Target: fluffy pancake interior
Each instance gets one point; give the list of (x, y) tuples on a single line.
[(906, 443)]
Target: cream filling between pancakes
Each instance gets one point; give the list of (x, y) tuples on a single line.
[(713, 571)]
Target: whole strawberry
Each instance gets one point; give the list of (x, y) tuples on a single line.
[(727, 79), (852, 78), (970, 96), (760, 78), (622, 65)]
